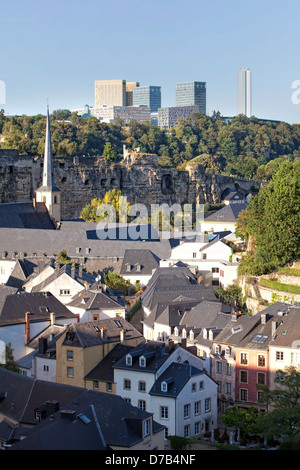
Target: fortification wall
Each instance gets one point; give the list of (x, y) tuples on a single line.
[(140, 178)]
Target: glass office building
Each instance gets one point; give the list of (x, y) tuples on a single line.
[(147, 96), (191, 94)]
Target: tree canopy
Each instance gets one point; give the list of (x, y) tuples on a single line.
[(271, 223), (245, 147)]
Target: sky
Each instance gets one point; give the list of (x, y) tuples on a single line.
[(55, 50)]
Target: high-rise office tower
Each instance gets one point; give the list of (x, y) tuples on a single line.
[(244, 92), (147, 96), (110, 93), (191, 94), (129, 92)]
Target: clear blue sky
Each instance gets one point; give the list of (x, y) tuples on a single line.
[(57, 49)]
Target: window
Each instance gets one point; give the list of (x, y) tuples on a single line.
[(64, 292), (142, 361), (201, 385), (108, 387), (261, 378), (95, 317), (129, 360), (96, 385), (227, 351), (197, 427), (166, 433), (186, 411), (164, 387), (142, 386), (127, 384), (70, 372), (128, 400), (194, 387), (244, 394), (259, 397), (244, 358), (294, 358), (164, 412), (194, 255), (46, 368), (215, 282), (244, 376), (70, 355), (214, 270), (261, 360), (279, 355), (207, 405), (228, 388), (227, 369), (187, 431), (219, 383), (197, 408), (142, 405), (218, 367)]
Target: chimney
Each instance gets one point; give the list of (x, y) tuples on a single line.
[(51, 407), (104, 333), (27, 328), (169, 344), (263, 318), (52, 319), (183, 343), (73, 271), (123, 335), (68, 414), (80, 271), (274, 327), (42, 345)]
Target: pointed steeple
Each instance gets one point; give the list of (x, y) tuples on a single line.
[(48, 193), (48, 180)]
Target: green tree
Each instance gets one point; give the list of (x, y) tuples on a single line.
[(109, 152), (116, 282), (284, 419), (114, 198), (271, 222), (10, 363)]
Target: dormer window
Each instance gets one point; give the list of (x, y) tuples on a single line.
[(129, 360), (184, 333), (142, 361), (128, 267), (176, 331), (192, 335), (164, 387), (228, 351), (204, 333), (217, 349), (138, 267)]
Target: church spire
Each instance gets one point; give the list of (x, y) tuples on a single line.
[(48, 180)]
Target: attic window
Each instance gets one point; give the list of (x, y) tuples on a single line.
[(96, 328), (128, 267), (164, 387), (142, 361), (44, 310), (118, 323), (138, 267), (78, 249), (129, 360)]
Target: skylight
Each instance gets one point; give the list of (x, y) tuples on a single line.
[(259, 339)]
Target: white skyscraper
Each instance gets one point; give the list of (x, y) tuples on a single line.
[(244, 92)]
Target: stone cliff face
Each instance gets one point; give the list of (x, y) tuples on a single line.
[(138, 176)]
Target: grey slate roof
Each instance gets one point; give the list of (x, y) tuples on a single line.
[(87, 334), (24, 215), (167, 284), (96, 298), (228, 213), (80, 277), (155, 352), (145, 259), (101, 420), (40, 305), (77, 242), (25, 394), (177, 376), (20, 273)]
